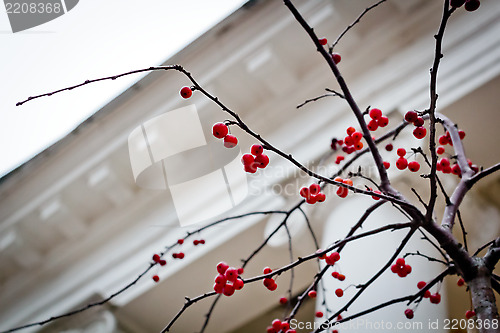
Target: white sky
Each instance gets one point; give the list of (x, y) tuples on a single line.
[(96, 38)]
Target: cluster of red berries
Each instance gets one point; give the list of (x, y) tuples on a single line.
[(378, 120), (256, 159), (445, 139), (312, 194), (401, 268), (338, 276), (343, 191), (158, 260), (352, 141), (269, 283), (470, 5), (221, 131), (433, 298), (228, 279), (186, 92), (178, 255), (331, 259), (376, 191), (280, 326), (402, 163), (412, 117), (198, 241)]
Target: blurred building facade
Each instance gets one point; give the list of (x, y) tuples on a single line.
[(75, 227)]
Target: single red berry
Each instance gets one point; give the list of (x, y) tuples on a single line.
[(238, 284), (409, 313), (268, 282), (219, 288), (339, 292), (256, 149), (273, 286), (342, 192), (196, 242), (375, 113), (372, 125), (440, 150), (336, 58), (457, 3), (276, 324), (401, 152), (358, 145), (314, 189), (389, 147), (321, 197), (427, 294), (335, 256), (267, 270), (241, 270), (395, 268), (387, 165), (322, 41), (230, 141), (319, 314), (411, 116), (350, 131), (335, 274), (435, 298), (285, 326), (231, 274), (455, 169), (349, 141), (460, 282), (375, 197), (312, 199), (222, 267), (443, 140), (261, 161), (383, 121), (461, 134), (444, 162), (174, 255), (163, 262), (469, 314), (228, 290), (339, 159), (472, 5), (400, 262), (341, 277), (156, 278), (304, 192), (413, 166), (180, 241), (250, 168), (202, 241), (401, 163), (180, 255), (421, 284), (220, 279), (357, 136), (186, 92), (156, 258), (312, 293), (407, 269), (283, 300), (419, 132), (402, 274), (247, 159), (419, 122), (220, 130)]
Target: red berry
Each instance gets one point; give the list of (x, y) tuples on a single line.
[(304, 192), (228, 290), (339, 159), (271, 329), (440, 150), (461, 134), (336, 58), (256, 149), (407, 269), (156, 278), (443, 140), (180, 241), (283, 300), (267, 270), (230, 141), (341, 277), (231, 274), (222, 267), (409, 313), (322, 41), (261, 161), (163, 262), (250, 168), (335, 274), (455, 169), (427, 294), (186, 92), (411, 116), (202, 241), (220, 279), (219, 288), (435, 298), (472, 5), (469, 314), (358, 145), (319, 314), (174, 255), (400, 262), (321, 197), (383, 121), (285, 326), (389, 147), (342, 192), (350, 131), (374, 197), (419, 122), (375, 113), (276, 324), (339, 292), (314, 189), (387, 165), (247, 159), (220, 130), (196, 242), (273, 286), (312, 293), (238, 284), (421, 284), (312, 199), (460, 282), (335, 256), (419, 132), (241, 270), (180, 255), (372, 125), (401, 163), (413, 166), (268, 282), (444, 162), (401, 152), (357, 136), (156, 258)]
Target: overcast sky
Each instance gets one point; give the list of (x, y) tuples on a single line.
[(97, 38)]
